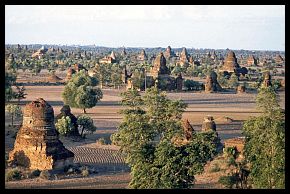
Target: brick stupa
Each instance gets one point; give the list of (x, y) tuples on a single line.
[(160, 67), (37, 145), (252, 61), (211, 83), (230, 63)]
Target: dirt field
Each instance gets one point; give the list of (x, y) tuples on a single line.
[(105, 115)]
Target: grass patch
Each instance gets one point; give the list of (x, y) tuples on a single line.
[(13, 174)]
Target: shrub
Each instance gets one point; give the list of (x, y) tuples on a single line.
[(192, 85), (13, 174), (102, 141), (215, 168), (231, 161), (6, 159), (85, 172), (230, 152), (64, 125), (35, 173), (227, 181), (45, 174)]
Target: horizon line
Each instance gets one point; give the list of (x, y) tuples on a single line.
[(144, 47)]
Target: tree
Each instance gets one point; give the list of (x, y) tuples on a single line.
[(102, 73), (265, 142), (116, 79), (222, 80), (80, 92), (146, 136), (192, 85), (14, 110), (64, 125), (10, 79), (233, 81), (20, 93), (86, 124)]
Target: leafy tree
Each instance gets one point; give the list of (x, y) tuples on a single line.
[(233, 81), (116, 79), (80, 92), (14, 110), (265, 142), (102, 73), (192, 85), (10, 79), (20, 93), (222, 80), (86, 124), (176, 70), (146, 136), (64, 125)]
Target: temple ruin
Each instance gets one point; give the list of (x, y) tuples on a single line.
[(142, 56), (252, 61), (169, 53), (279, 59), (74, 69), (208, 124), (241, 89), (37, 145), (267, 80), (211, 83), (159, 67), (230, 64)]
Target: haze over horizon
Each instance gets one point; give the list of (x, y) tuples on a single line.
[(235, 27)]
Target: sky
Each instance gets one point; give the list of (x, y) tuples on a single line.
[(248, 27)]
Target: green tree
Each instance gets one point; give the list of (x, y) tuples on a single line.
[(265, 142), (116, 78), (192, 85), (14, 110), (64, 125), (80, 91), (233, 81), (86, 124), (20, 93), (10, 79), (102, 73), (146, 138)]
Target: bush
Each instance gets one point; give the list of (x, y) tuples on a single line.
[(192, 85), (45, 174), (215, 168), (227, 181), (230, 152), (64, 125), (70, 169), (85, 172), (35, 173), (231, 161), (13, 174), (6, 159), (102, 141)]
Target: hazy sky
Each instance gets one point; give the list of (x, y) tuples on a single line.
[(194, 26)]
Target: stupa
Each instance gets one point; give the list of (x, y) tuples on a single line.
[(37, 145)]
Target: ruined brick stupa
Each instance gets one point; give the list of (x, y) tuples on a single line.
[(211, 83), (208, 124), (37, 145), (230, 63), (160, 67)]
